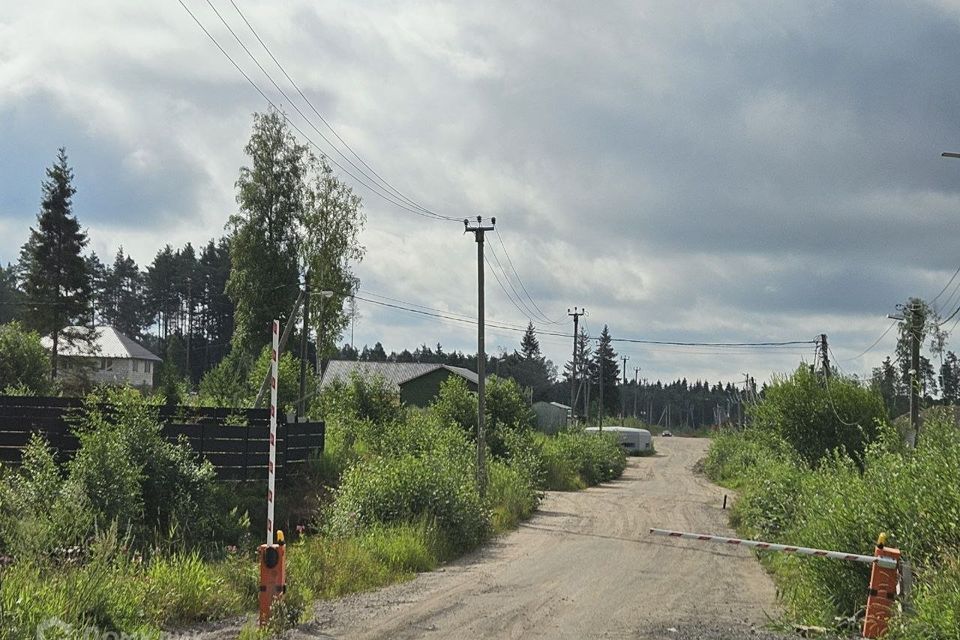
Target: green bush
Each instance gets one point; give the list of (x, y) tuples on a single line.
[(456, 404), (511, 494), (507, 411), (24, 363), (407, 489), (591, 458), (817, 416), (843, 505)]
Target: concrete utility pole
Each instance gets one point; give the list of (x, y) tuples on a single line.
[(573, 381), (302, 402), (478, 230), (824, 355), (623, 394)]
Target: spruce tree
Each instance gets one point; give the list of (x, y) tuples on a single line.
[(529, 345), (55, 278), (605, 365)]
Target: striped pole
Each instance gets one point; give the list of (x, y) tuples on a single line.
[(271, 465), (769, 546)]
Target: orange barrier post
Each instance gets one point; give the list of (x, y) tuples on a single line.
[(882, 592), (273, 575)]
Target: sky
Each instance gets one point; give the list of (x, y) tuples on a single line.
[(686, 171)]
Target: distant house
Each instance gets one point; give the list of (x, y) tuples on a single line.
[(109, 357), (551, 416), (418, 384)]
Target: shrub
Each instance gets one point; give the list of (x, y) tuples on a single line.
[(40, 512), (511, 495), (592, 458), (24, 363), (507, 410), (225, 385), (407, 489), (816, 416), (456, 404)]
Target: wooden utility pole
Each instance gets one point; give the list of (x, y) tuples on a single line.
[(302, 402), (478, 230), (915, 371), (623, 391), (636, 395), (600, 374), (573, 378), (824, 355)]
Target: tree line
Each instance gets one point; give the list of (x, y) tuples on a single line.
[(296, 225)]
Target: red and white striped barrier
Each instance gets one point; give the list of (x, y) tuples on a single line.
[(271, 470), (769, 546)]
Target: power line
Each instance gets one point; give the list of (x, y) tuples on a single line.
[(952, 278), (324, 120), (256, 87), (520, 280), (765, 346), (875, 343), (529, 312), (375, 188)]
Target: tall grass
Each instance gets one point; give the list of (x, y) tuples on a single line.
[(843, 503)]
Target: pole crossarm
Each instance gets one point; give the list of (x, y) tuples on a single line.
[(888, 563)]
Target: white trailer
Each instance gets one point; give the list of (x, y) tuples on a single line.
[(635, 441)]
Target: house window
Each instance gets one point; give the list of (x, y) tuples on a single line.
[(136, 366), (106, 364), (147, 366)]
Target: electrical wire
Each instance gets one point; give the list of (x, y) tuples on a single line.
[(504, 289), (875, 343), (309, 103), (375, 188), (310, 140), (520, 280), (529, 313), (952, 278)]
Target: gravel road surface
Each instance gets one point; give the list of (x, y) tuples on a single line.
[(584, 567)]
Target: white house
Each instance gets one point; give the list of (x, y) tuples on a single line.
[(110, 358)]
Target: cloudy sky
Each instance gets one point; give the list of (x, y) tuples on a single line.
[(687, 171)]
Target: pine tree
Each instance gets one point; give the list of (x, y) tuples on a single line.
[(124, 305), (161, 284), (54, 273)]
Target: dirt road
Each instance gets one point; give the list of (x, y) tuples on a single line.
[(583, 567)]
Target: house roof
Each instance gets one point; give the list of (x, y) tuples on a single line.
[(394, 373), (107, 343)]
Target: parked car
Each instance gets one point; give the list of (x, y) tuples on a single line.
[(666, 434)]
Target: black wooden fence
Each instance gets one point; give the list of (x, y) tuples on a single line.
[(238, 452)]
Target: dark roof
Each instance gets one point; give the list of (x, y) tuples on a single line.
[(107, 343), (394, 373)]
